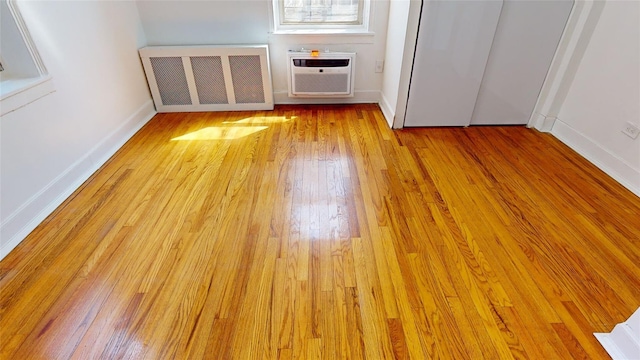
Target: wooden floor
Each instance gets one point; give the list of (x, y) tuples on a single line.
[(317, 232)]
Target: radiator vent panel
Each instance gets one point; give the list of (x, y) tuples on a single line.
[(245, 71), (208, 78), (172, 83)]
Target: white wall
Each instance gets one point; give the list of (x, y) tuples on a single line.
[(605, 94), (177, 22), (49, 147), (225, 22)]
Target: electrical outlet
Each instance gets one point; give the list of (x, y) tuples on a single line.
[(379, 66), (631, 130)]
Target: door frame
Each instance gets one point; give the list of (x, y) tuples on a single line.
[(573, 44)]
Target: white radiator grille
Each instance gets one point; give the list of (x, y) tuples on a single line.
[(172, 83), (208, 78), (245, 71)]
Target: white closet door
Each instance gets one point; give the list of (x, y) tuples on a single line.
[(454, 41), (524, 44)]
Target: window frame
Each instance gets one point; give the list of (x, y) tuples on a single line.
[(363, 27)]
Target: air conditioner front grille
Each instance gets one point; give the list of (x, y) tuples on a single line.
[(322, 83)]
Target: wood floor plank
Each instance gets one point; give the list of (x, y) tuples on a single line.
[(318, 232)]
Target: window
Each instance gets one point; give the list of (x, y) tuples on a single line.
[(23, 75), (19, 55), (322, 16)]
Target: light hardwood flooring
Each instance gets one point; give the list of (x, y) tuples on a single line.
[(317, 232)]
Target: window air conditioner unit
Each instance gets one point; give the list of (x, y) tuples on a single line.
[(324, 75)]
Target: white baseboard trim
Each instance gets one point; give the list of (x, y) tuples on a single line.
[(543, 123), (612, 165), (359, 97), (623, 342), (386, 109), (21, 222)]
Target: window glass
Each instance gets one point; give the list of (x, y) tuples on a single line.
[(321, 16), (321, 11)]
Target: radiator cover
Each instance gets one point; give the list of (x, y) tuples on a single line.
[(208, 78)]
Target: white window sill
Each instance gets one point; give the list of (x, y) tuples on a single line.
[(324, 36), (347, 32), (16, 93)]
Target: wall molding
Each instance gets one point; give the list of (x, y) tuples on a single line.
[(623, 342), (612, 165), (387, 110), (359, 97), (542, 123), (27, 217)]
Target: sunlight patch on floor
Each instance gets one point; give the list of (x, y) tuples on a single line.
[(263, 120), (221, 133)]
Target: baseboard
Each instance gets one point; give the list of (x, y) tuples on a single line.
[(623, 342), (386, 109), (612, 165), (542, 123), (21, 222), (359, 97)]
